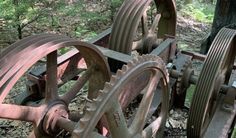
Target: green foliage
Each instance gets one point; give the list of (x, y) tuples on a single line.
[(189, 95), (79, 19), (234, 132), (70, 10), (18, 12), (116, 3), (199, 11)]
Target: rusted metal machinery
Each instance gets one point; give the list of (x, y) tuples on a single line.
[(158, 79)]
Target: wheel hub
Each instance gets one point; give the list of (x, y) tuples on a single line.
[(149, 41), (55, 112)]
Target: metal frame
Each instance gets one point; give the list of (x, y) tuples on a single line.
[(70, 61)]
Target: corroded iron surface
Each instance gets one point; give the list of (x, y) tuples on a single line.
[(49, 116), (131, 13), (215, 72), (110, 101)]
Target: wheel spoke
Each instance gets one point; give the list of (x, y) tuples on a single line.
[(156, 124), (51, 83), (116, 121), (141, 115), (153, 127), (17, 112), (144, 23), (155, 23), (70, 95)]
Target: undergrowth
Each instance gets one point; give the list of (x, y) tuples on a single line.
[(202, 12)]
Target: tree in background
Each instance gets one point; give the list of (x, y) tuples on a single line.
[(20, 13), (225, 15), (24, 17)]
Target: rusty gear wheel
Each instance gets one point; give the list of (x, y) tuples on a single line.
[(133, 16), (216, 71), (52, 114), (127, 20), (184, 77), (147, 71)]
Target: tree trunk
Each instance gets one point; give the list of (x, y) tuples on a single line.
[(17, 19), (19, 30), (225, 15)]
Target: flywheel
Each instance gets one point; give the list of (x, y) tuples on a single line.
[(52, 114), (216, 71), (155, 18), (146, 71)]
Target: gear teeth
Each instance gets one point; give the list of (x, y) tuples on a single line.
[(82, 125), (105, 96), (100, 92), (119, 73), (99, 96), (91, 109), (91, 106), (107, 87), (141, 59), (113, 79), (130, 64), (98, 99), (135, 60), (155, 58), (86, 118), (152, 57), (124, 68)]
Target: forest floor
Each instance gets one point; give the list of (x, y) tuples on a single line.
[(190, 34)]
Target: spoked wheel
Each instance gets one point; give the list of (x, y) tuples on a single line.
[(215, 72), (141, 76), (134, 12), (52, 114)]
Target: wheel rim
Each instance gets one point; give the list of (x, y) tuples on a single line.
[(49, 114), (127, 21), (109, 101), (213, 75)]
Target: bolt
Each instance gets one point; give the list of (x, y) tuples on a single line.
[(169, 65)]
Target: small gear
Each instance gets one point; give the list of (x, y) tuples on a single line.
[(184, 77)]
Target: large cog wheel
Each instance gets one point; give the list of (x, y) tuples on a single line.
[(216, 71), (110, 101)]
